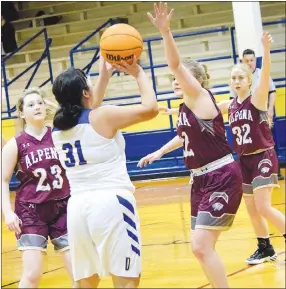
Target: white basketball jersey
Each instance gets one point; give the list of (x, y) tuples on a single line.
[(92, 161)]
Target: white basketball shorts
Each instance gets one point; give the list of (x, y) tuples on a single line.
[(104, 234)]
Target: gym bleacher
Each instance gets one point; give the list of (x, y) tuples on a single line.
[(79, 19)]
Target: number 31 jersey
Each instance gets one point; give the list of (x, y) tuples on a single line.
[(92, 162), (250, 127), (41, 175)]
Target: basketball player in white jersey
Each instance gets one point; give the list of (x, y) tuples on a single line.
[(103, 225)]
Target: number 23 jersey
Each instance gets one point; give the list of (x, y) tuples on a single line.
[(41, 175), (250, 127)]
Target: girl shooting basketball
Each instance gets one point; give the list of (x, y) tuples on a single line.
[(103, 225)]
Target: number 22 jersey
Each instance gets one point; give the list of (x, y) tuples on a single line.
[(250, 127), (41, 176)]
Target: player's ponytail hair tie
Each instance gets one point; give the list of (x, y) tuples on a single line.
[(71, 109), (67, 112), (73, 112), (68, 89)]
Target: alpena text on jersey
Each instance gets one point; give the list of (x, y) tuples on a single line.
[(40, 172), (250, 127)]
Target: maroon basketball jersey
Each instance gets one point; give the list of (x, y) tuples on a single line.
[(204, 140), (249, 126), (40, 173)]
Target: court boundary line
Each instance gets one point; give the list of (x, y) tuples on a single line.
[(174, 242)]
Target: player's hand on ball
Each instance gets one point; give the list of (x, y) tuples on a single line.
[(133, 69), (149, 159), (266, 39), (105, 68), (13, 222), (162, 19)]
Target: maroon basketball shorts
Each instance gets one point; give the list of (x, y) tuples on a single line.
[(216, 194), (259, 171), (40, 221)]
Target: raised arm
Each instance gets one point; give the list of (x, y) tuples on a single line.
[(108, 119), (187, 81), (105, 73), (9, 162), (260, 95), (271, 101)]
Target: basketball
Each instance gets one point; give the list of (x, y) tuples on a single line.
[(121, 42)]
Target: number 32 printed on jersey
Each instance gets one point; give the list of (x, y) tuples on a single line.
[(242, 134)]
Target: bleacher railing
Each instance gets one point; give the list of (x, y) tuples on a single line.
[(232, 55), (76, 49), (217, 89), (35, 65)]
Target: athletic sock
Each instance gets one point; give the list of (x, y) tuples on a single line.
[(263, 243)]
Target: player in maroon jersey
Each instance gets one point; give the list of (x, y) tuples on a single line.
[(216, 190), (255, 146), (41, 199)]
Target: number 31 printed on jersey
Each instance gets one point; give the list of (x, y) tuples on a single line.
[(71, 161)]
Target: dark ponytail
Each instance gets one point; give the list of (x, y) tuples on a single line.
[(68, 89), (67, 117)]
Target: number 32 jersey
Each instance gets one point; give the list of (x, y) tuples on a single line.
[(41, 175), (250, 127)]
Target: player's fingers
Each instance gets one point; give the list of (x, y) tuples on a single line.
[(118, 67), (163, 108), (11, 227), (124, 64), (18, 229), (171, 13), (165, 8), (150, 16), (152, 159), (139, 165), (146, 160), (17, 225), (156, 10), (142, 162), (108, 65), (161, 7), (134, 62)]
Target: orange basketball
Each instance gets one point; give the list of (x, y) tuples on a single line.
[(121, 42)]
